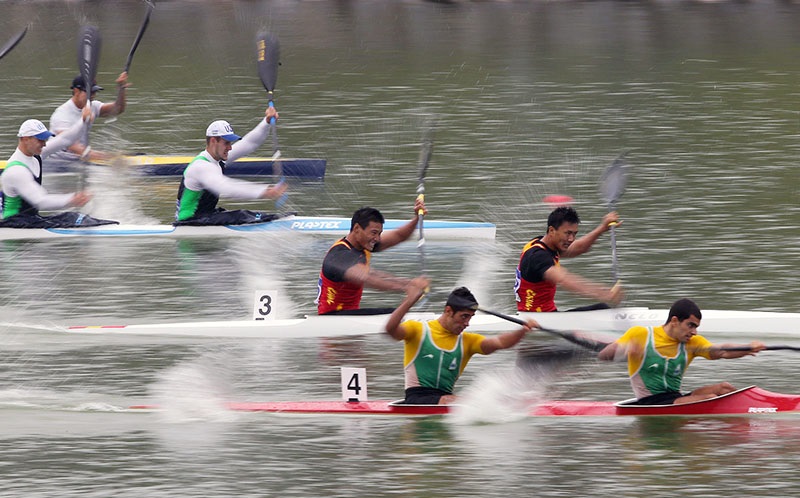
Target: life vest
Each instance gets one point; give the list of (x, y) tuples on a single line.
[(433, 366), (17, 205), (337, 296), (657, 373), (535, 296), (192, 203)]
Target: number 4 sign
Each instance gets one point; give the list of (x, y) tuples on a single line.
[(354, 384)]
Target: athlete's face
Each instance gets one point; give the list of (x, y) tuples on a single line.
[(367, 238), (79, 97), (686, 329), (218, 148), (31, 146), (456, 321), (563, 236)]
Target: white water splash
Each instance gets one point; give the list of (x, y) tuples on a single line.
[(263, 260), (114, 196), (192, 391), (497, 398)]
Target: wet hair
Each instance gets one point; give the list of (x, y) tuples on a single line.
[(561, 215), (683, 309), (364, 216), (461, 299)]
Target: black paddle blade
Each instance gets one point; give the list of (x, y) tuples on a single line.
[(425, 155), (614, 179), (13, 43), (268, 52), (139, 36), (88, 55)]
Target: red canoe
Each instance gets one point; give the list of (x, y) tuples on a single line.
[(747, 401)]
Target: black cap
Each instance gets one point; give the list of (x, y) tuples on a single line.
[(78, 83), (462, 299)]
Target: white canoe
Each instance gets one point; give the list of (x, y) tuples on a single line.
[(315, 225), (749, 324)]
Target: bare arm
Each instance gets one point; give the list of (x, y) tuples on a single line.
[(507, 339), (718, 351), (375, 279), (579, 285), (414, 291), (394, 237), (118, 106), (609, 353), (583, 244), (620, 350)]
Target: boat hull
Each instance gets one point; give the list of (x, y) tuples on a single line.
[(748, 401), (713, 322), (261, 166), (612, 322), (175, 165), (319, 225)]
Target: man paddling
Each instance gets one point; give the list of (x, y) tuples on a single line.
[(69, 111), (659, 356), (204, 180), (346, 270), (437, 351), (23, 194), (539, 272)]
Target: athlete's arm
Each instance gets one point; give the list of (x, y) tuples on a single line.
[(201, 177), (19, 182), (508, 339), (118, 106), (579, 285), (394, 237), (583, 244), (414, 291), (250, 142), (68, 136)]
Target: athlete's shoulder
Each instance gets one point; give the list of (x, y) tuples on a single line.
[(636, 331), (413, 329)]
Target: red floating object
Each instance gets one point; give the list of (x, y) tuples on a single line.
[(557, 200)]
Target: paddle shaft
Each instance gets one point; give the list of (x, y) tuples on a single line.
[(768, 348), (613, 183), (268, 51), (614, 267), (590, 344), (139, 36), (424, 161), (88, 60), (13, 43)]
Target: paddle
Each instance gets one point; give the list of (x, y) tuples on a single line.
[(424, 160), (139, 35), (612, 186), (88, 60), (588, 343), (8, 47), (768, 348), (268, 50)]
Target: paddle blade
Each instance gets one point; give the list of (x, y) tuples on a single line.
[(12, 43), (614, 179), (88, 55), (268, 51), (425, 156), (139, 36)]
